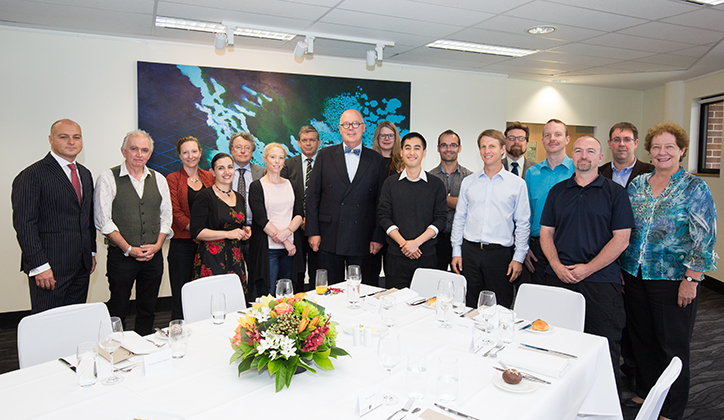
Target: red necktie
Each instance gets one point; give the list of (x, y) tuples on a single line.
[(74, 180)]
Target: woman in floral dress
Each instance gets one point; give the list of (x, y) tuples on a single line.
[(217, 222)]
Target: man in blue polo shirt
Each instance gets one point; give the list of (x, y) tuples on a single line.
[(539, 179), (585, 226)]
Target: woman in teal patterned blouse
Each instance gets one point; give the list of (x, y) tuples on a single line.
[(671, 247)]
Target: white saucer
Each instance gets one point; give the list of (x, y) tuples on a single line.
[(522, 387)]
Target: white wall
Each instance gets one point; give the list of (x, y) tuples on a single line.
[(47, 76)]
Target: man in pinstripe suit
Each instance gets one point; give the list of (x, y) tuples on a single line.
[(53, 216)]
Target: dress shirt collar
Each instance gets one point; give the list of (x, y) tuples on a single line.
[(124, 172), (567, 162), (247, 166), (624, 170), (520, 161), (442, 170), (403, 175), (499, 174), (314, 158), (598, 182), (61, 161)]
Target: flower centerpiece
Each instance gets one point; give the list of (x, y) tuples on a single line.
[(284, 334)]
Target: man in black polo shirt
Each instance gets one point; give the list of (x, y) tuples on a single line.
[(585, 226), (412, 211)]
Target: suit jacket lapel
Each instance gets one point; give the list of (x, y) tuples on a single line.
[(339, 163), (56, 171), (364, 163)]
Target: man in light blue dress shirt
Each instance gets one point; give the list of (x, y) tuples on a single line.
[(540, 178), (491, 226)]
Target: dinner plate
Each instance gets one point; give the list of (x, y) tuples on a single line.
[(550, 330), (160, 336), (522, 387), (376, 329)]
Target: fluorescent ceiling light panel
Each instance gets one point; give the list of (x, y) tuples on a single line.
[(705, 2), (196, 25), (257, 33), (480, 48)]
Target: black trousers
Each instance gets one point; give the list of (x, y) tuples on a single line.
[(659, 330), (371, 266), (399, 269), (538, 276), (336, 265), (122, 272), (486, 269), (443, 249), (181, 254), (68, 291), (311, 259), (605, 314)]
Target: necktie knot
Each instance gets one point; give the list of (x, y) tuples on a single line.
[(515, 168), (348, 149)]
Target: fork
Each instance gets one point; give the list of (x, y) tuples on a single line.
[(129, 367), (405, 409), (155, 343), (497, 347), (495, 353)]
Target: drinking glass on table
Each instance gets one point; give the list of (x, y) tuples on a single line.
[(110, 341), (461, 291), (506, 325), (320, 283), (354, 273), (354, 279), (447, 379), (87, 367), (389, 354), (443, 304), (178, 338), (284, 288), (487, 305), (218, 308), (416, 372), (389, 310)]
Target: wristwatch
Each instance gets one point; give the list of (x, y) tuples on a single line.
[(689, 278), (128, 251)]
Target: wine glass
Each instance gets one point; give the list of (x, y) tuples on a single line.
[(487, 308), (389, 354), (443, 304), (110, 341), (284, 289)]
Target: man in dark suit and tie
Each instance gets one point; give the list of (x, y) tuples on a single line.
[(623, 138), (53, 216), (298, 170), (516, 144), (342, 197)]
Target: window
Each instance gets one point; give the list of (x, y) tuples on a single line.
[(711, 116)]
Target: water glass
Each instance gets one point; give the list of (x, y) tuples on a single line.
[(218, 308), (447, 379), (389, 310), (354, 273), (443, 304), (110, 340), (87, 366), (284, 288), (177, 338), (353, 293), (461, 291), (416, 376), (321, 283), (506, 324), (389, 354)]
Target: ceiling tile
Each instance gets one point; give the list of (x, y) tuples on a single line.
[(484, 36), (574, 16), (558, 57), (424, 12), (693, 51), (434, 55), (600, 51), (673, 60), (703, 18), (660, 30), (647, 9), (372, 21), (616, 40), (266, 7), (186, 11), (641, 66), (488, 6), (378, 34), (520, 26)]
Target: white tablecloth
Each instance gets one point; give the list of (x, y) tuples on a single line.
[(203, 385)]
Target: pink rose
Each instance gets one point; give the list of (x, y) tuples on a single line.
[(283, 308)]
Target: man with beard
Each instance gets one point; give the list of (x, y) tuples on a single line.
[(516, 144), (451, 173), (623, 138), (585, 226)]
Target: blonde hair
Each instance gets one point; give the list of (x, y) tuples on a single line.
[(397, 162), (268, 147)]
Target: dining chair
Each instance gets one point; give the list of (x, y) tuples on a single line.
[(57, 332), (555, 305), (196, 296), (655, 400), (424, 281)]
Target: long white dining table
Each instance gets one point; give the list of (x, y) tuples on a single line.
[(203, 385)]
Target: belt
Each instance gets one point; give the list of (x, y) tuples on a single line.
[(534, 239), (486, 246)]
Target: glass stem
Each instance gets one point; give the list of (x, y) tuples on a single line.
[(113, 369)]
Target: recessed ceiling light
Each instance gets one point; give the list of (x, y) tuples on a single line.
[(704, 2), (480, 48), (543, 30), (196, 25)]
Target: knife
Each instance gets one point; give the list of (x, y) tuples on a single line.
[(556, 352), (526, 327), (457, 413), (67, 363), (526, 376), (416, 302)]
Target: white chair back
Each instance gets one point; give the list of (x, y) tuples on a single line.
[(57, 332), (655, 400), (425, 280), (196, 296), (557, 306)]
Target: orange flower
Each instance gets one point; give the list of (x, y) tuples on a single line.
[(303, 324), (283, 308)]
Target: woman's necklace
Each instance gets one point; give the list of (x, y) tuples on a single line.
[(228, 193), (195, 178)]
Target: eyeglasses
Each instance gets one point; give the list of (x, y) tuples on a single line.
[(240, 147), (353, 124), (518, 138), (445, 146), (386, 136), (625, 140)]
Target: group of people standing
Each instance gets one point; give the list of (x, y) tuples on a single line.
[(634, 238)]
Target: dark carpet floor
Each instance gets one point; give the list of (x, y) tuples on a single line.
[(706, 395)]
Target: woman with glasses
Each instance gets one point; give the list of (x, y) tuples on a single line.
[(387, 143)]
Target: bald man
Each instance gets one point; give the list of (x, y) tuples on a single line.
[(585, 226), (342, 197), (53, 216)]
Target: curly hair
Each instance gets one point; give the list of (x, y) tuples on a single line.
[(682, 139)]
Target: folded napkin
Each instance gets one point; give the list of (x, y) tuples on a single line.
[(404, 295), (533, 361), (137, 344)]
